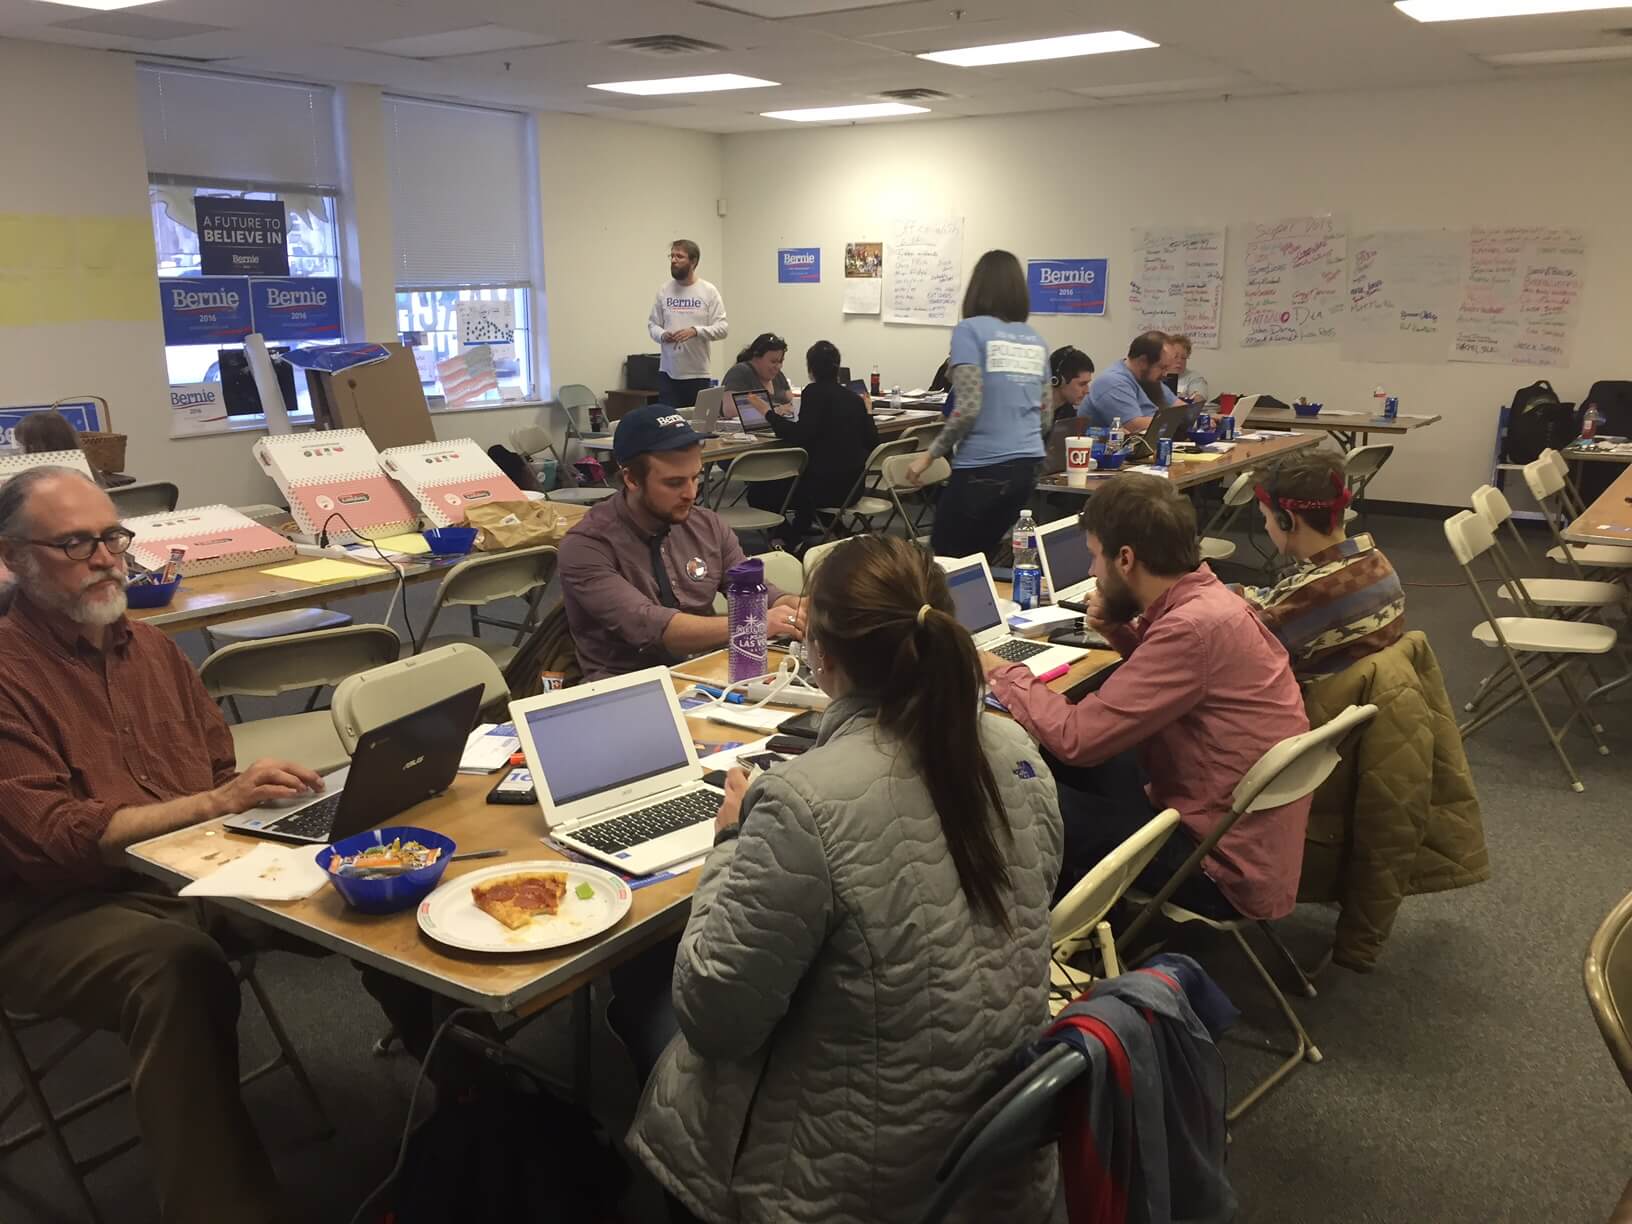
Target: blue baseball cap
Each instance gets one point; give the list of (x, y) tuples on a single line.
[(656, 427)]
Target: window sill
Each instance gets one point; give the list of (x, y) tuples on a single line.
[(257, 424), (444, 410)]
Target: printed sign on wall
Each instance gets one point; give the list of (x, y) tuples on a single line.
[(799, 265), (242, 237), (297, 308), (1066, 286), (83, 415), (196, 408), (205, 310)]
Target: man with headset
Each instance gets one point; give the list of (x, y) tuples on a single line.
[(1071, 372), (1343, 600)]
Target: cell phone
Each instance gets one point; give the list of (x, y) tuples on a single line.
[(515, 787), (806, 724), (1087, 639), (763, 759), (790, 745)]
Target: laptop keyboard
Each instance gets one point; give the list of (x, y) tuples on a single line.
[(1016, 651), (649, 824), (315, 821)]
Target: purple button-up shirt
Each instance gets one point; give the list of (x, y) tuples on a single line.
[(610, 590), (1203, 692)]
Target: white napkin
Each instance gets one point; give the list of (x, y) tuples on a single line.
[(266, 873)]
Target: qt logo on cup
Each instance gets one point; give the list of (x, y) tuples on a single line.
[(1079, 461)]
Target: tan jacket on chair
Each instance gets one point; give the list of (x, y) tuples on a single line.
[(1399, 816)]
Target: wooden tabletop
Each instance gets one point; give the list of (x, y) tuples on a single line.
[(1336, 422), (1609, 519), (1187, 473), (728, 446)]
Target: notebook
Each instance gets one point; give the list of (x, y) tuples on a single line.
[(336, 472), (217, 538), (448, 477)]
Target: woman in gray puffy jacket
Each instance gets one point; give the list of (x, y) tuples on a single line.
[(869, 940)]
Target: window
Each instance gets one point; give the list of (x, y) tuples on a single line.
[(463, 218), (209, 135)]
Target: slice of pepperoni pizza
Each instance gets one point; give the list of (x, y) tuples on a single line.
[(516, 900)]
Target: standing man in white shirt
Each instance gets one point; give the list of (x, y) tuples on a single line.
[(686, 318)]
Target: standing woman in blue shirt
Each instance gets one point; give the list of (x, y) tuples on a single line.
[(995, 434)]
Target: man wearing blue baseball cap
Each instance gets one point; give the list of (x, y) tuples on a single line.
[(639, 574)]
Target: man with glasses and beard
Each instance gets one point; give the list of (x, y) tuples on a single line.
[(1131, 390), (108, 738), (1204, 690)]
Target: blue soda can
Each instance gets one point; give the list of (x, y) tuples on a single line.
[(1096, 445), (1391, 407), (1164, 452), (1028, 585), (1226, 429)]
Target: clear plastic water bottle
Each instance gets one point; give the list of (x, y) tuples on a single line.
[(745, 598), (1592, 421), (1028, 570), (1114, 445)]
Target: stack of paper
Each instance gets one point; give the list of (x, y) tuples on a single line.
[(489, 747), (266, 873)]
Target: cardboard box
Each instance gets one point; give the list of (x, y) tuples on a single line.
[(385, 400)]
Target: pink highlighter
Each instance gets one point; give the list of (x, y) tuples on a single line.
[(1054, 673)]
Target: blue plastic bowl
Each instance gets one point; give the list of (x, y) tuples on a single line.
[(152, 594), (1111, 460), (450, 541), (387, 896), (1204, 437), (1307, 409)]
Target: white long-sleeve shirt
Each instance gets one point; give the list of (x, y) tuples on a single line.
[(695, 305)]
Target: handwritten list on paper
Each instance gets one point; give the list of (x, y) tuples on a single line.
[(1403, 289), (1295, 290), (1178, 282), (1522, 296), (923, 272)]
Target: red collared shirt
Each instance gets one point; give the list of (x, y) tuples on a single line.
[(1204, 691), (85, 732)]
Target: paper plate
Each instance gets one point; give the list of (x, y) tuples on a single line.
[(449, 915)]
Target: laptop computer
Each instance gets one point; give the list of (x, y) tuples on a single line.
[(1068, 563), (746, 406), (616, 772), (975, 598), (395, 766), (706, 414)]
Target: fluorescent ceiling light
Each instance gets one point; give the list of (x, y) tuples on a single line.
[(1572, 55), (1040, 49), (472, 41), (865, 110), (1470, 10), (101, 6), (685, 85)]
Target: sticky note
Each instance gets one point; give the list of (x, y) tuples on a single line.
[(325, 570), (411, 543)]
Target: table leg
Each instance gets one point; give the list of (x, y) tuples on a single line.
[(582, 1040)]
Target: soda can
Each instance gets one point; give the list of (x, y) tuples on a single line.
[(1226, 429), (1028, 585), (1164, 452), (1391, 407)]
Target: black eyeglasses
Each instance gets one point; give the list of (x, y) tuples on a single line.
[(83, 547)]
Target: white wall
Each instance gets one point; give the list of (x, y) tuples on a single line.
[(1074, 183)]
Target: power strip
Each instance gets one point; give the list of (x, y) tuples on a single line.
[(790, 695)]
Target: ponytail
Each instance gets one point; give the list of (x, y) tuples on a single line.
[(881, 608)]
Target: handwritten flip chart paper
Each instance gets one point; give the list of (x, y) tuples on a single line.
[(1295, 281), (1522, 295), (1178, 281), (923, 272), (1403, 289)]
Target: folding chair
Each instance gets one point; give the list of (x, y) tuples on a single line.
[(760, 467), (1575, 594), (816, 554), (893, 481), (52, 1120), (1551, 488), (1535, 649), (1080, 914), (1213, 546), (274, 666), (1290, 770), (481, 580), (1608, 976), (383, 694), (783, 569), (860, 505), (151, 497), (1022, 1117), (574, 398), (922, 435), (1360, 468)]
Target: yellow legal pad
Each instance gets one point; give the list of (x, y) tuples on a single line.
[(325, 570), (1182, 457), (412, 543)]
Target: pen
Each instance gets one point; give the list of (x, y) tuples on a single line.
[(1054, 673), (477, 854), (718, 693)]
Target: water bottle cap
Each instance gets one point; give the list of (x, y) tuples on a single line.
[(750, 572)]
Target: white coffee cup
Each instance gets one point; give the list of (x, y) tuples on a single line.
[(1079, 461)]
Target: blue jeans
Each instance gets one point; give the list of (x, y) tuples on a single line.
[(979, 505), (679, 392)]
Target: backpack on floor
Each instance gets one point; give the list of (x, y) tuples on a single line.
[(1536, 422)]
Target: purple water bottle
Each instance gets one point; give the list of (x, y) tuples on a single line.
[(745, 598)]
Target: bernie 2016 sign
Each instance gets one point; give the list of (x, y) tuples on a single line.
[(799, 265), (242, 237), (297, 308), (1066, 286), (205, 310)]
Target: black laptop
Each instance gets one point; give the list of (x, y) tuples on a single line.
[(395, 766)]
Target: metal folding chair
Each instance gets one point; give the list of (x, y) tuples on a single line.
[(148, 497), (862, 505), (894, 482), (383, 694), (1549, 484), (922, 435), (1213, 546), (480, 580), (783, 570), (1608, 976), (1360, 468), (759, 467)]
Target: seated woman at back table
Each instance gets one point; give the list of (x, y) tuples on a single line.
[(869, 940), (837, 432), (759, 368)]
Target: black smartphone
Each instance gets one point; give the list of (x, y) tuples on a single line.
[(515, 787), (806, 724)]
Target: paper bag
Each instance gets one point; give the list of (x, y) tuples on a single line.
[(504, 525)]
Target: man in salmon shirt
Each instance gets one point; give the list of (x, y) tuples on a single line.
[(1203, 692)]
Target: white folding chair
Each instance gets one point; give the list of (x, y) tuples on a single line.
[(383, 694), (784, 570), (480, 580), (1213, 546), (861, 505), (1290, 770), (1549, 484), (1080, 914), (1535, 649), (922, 435), (1492, 506), (151, 497), (759, 467), (1360, 468), (893, 480), (816, 554)]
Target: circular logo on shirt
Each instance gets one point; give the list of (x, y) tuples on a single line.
[(696, 569)]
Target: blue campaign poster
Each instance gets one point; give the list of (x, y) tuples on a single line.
[(799, 265), (242, 237), (83, 415), (205, 310), (1066, 286), (297, 308)]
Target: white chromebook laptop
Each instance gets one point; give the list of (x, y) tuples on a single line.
[(979, 612), (1067, 560), (616, 773)]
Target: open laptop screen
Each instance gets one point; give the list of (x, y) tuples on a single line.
[(972, 596), (606, 741), (1069, 559), (748, 412)]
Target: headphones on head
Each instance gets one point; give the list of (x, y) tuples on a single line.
[(1281, 507), (1056, 363)]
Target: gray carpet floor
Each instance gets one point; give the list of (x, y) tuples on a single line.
[(1463, 1080)]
